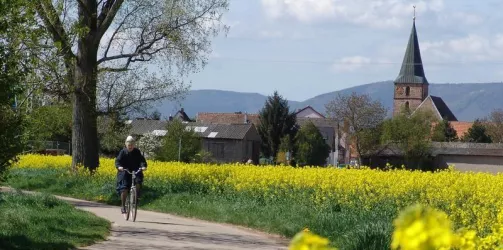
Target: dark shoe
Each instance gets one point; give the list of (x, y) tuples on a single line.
[(123, 210)]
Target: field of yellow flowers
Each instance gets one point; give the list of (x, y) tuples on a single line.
[(472, 202)]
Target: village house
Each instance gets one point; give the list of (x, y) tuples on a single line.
[(229, 142), (226, 142), (326, 126)]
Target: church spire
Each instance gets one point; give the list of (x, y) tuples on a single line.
[(412, 70), (414, 18)]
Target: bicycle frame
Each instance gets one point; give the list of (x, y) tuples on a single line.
[(132, 198)]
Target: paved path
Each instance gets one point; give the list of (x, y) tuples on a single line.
[(164, 231)]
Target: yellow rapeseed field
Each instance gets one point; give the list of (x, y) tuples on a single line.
[(472, 202)]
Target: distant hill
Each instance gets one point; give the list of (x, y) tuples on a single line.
[(468, 101)]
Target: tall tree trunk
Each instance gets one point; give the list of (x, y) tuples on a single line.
[(85, 133)]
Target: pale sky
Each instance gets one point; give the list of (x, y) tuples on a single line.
[(303, 48)]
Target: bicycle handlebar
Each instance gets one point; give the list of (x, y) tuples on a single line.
[(139, 170)]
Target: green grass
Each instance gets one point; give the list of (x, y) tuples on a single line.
[(44, 222), (372, 230), (348, 229)]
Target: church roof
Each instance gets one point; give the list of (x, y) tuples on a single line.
[(443, 109), (439, 107), (412, 70)]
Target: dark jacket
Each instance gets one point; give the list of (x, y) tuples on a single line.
[(131, 161)]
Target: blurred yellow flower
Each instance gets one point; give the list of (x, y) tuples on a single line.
[(307, 240), (420, 227)]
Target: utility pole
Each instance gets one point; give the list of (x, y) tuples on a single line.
[(179, 148), (336, 151)]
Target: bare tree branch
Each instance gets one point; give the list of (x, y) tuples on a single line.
[(360, 115), (53, 24), (123, 92), (107, 15), (158, 34), (116, 31)]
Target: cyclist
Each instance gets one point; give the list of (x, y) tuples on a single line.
[(129, 158)]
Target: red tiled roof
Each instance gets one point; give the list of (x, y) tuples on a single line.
[(461, 127)]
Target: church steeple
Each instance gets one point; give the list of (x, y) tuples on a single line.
[(411, 85), (412, 70)]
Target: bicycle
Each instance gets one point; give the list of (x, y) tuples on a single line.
[(132, 199)]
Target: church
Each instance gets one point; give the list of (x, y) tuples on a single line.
[(411, 91), (411, 85)]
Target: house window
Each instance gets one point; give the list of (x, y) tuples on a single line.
[(407, 91), (216, 149)]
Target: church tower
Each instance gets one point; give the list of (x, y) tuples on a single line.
[(411, 85)]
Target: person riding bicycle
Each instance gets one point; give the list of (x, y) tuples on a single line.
[(129, 158)]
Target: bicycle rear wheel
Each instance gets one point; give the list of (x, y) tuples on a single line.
[(134, 205)]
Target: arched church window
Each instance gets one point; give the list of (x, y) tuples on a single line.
[(407, 91), (407, 105)]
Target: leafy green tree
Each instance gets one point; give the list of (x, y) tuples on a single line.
[(477, 133), (444, 132), (370, 139), (11, 77), (110, 55), (113, 133), (412, 134), (10, 133), (286, 145), (50, 123), (311, 148), (276, 122), (177, 135)]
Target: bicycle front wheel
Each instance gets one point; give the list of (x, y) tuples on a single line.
[(128, 206), (134, 205)]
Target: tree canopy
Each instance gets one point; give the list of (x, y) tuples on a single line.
[(411, 133), (276, 122), (311, 147), (359, 117), (113, 56), (50, 123), (12, 75), (444, 132), (179, 137), (477, 133)]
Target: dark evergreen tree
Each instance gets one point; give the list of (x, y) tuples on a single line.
[(276, 121), (477, 133)]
